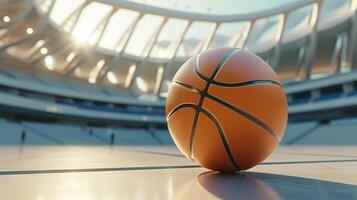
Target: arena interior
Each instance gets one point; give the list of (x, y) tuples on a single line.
[(83, 85)]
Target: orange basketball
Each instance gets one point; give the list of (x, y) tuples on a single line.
[(226, 109)]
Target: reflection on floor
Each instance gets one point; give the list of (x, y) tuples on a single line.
[(253, 185)]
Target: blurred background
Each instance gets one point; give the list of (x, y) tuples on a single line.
[(97, 72)]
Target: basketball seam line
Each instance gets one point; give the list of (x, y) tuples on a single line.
[(216, 123), (237, 85), (197, 70), (219, 83), (203, 95), (246, 115), (235, 109), (184, 105), (223, 138), (246, 83)]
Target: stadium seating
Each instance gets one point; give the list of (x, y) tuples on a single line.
[(100, 92)]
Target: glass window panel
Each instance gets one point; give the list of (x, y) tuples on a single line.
[(148, 79), (81, 71), (264, 34), (44, 4), (61, 60), (91, 65), (228, 34), (95, 71), (194, 38), (344, 56), (114, 32), (169, 38), (290, 63), (63, 8), (298, 24), (89, 20), (142, 34), (123, 72), (334, 12), (324, 64), (330, 6)]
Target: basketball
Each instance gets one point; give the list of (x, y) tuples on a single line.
[(226, 109)]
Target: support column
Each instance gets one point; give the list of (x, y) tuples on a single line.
[(147, 51), (353, 40), (168, 67), (310, 51), (118, 56), (275, 59)]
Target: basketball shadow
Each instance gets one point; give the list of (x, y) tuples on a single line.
[(256, 186)]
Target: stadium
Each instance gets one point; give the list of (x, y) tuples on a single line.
[(83, 88)]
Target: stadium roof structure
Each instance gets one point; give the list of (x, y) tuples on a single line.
[(131, 45)]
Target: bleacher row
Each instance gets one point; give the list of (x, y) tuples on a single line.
[(15, 77), (71, 89), (328, 97), (336, 132), (37, 133), (343, 85), (49, 95)]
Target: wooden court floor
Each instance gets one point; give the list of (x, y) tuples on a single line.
[(97, 172)]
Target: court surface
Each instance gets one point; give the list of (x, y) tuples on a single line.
[(87, 172)]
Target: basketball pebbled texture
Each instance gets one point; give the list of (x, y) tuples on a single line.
[(226, 109)]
